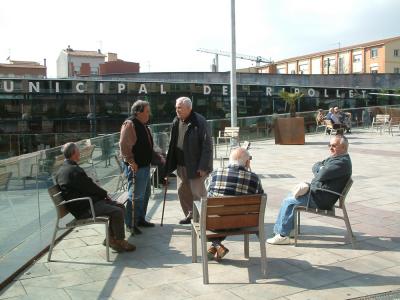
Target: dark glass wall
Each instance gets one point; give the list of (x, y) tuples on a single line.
[(31, 121)]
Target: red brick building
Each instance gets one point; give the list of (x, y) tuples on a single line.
[(19, 68)]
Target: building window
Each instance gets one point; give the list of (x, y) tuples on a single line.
[(94, 70), (374, 52), (396, 70), (396, 52), (341, 65), (357, 58)]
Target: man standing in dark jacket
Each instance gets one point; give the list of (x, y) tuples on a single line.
[(74, 183), (331, 174), (190, 153)]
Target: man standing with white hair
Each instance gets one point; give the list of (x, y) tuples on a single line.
[(190, 153)]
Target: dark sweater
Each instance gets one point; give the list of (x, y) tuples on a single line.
[(331, 174), (74, 183)]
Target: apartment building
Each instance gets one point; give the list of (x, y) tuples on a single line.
[(19, 68), (381, 56), (78, 63)]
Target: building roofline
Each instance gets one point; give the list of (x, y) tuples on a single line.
[(362, 45)]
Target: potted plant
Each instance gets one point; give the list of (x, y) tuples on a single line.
[(290, 131)]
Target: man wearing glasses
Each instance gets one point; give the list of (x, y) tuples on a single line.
[(331, 173)]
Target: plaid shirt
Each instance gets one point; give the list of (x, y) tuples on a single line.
[(233, 180)]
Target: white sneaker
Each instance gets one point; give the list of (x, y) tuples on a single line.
[(279, 240)]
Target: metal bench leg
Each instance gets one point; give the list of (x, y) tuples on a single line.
[(246, 246), (53, 240), (348, 227)]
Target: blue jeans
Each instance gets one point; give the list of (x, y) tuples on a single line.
[(141, 190), (285, 220)]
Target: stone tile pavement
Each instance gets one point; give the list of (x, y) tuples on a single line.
[(321, 267)]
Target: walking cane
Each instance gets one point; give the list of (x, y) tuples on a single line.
[(133, 202), (165, 196)]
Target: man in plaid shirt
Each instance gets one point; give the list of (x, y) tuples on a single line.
[(234, 180)]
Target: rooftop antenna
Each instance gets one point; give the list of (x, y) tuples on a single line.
[(100, 43)]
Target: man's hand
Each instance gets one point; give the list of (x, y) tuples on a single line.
[(201, 173), (134, 166)]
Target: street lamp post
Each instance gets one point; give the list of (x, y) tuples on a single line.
[(233, 68)]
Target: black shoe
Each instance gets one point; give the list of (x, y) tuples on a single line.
[(145, 223), (185, 221), (135, 230)]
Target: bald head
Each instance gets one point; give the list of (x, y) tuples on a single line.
[(240, 157)]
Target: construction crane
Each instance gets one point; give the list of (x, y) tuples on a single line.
[(257, 59)]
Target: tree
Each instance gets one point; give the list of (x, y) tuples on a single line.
[(291, 99)]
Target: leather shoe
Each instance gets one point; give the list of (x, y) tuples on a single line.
[(185, 221), (122, 245), (133, 230), (145, 223)]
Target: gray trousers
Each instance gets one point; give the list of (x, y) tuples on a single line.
[(189, 190), (116, 212)]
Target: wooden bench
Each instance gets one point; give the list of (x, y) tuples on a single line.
[(225, 216), (340, 204)]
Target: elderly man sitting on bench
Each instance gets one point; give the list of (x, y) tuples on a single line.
[(75, 183), (331, 174), (236, 179)]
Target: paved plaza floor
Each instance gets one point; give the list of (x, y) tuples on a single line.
[(323, 266)]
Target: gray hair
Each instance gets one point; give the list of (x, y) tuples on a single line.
[(343, 141), (185, 101), (239, 156), (69, 149), (138, 107)]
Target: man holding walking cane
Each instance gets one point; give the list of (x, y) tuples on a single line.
[(191, 154), (136, 144)]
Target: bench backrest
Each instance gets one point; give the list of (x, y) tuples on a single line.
[(345, 192), (395, 120), (231, 131), (56, 197), (382, 118), (4, 180), (231, 212)]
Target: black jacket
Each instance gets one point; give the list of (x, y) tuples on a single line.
[(74, 183), (197, 146), (331, 174)]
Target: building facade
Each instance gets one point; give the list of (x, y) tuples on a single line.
[(37, 114), (381, 56), (19, 68), (78, 63)]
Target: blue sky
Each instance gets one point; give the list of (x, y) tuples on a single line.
[(164, 35)]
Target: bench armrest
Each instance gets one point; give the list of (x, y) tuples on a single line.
[(196, 210), (81, 199), (329, 191)]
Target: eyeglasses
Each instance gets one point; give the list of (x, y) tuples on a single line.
[(332, 145)]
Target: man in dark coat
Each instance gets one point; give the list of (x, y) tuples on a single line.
[(190, 153), (331, 174), (75, 183)]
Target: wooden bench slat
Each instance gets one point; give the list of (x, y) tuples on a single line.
[(233, 210), (238, 200), (231, 222)]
